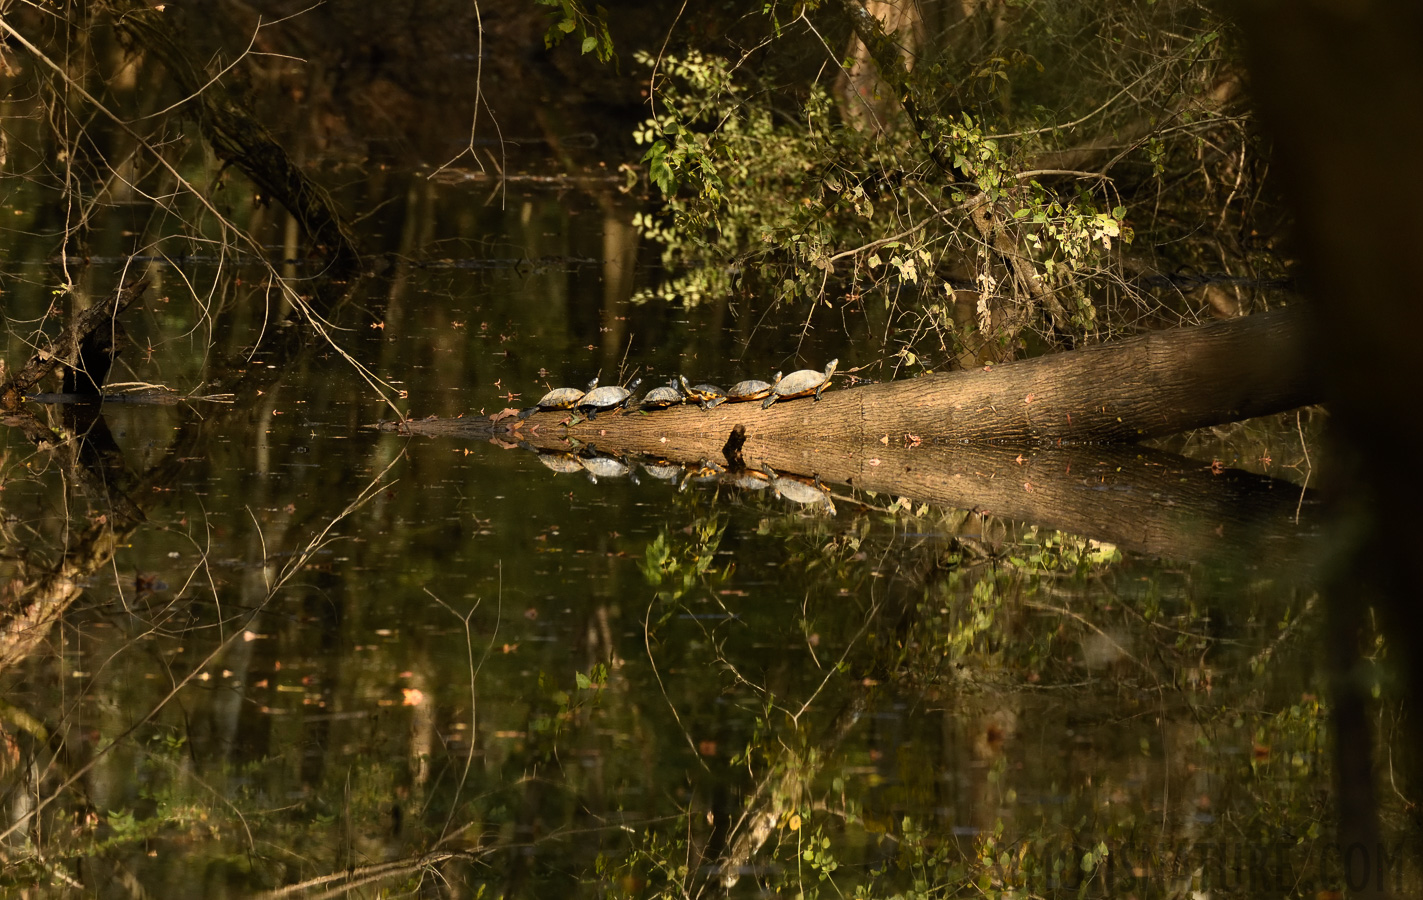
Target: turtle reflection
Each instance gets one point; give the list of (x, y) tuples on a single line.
[(793, 488), (661, 469), (707, 472), (748, 479), (598, 466), (807, 492), (594, 465), (562, 463)]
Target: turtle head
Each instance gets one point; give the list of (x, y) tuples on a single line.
[(775, 379), (635, 382), (594, 383), (686, 388), (830, 368)]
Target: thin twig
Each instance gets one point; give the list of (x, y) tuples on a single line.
[(293, 566), (288, 292), (647, 642)]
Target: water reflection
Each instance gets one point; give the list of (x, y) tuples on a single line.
[(331, 655), (706, 474)]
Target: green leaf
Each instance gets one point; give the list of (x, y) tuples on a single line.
[(589, 43), (567, 26)]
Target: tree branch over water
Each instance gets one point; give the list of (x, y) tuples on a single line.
[(238, 138)]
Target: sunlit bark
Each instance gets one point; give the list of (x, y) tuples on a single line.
[(868, 101), (1148, 386)]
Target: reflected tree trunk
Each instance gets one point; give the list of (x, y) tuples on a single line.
[(83, 352), (619, 264), (1141, 500)]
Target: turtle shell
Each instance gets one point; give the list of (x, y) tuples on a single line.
[(705, 395), (608, 397), (801, 383), (662, 397), (558, 398), (751, 389)]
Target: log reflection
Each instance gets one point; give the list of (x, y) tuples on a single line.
[(1144, 500)]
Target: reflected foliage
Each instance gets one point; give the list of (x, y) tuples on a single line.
[(259, 648)]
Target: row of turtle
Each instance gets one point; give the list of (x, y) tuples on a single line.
[(801, 383), (795, 488)]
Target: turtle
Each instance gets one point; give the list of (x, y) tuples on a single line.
[(663, 397), (558, 398), (798, 490), (662, 470), (751, 389), (802, 383), (704, 395), (604, 398), (606, 467), (562, 463)]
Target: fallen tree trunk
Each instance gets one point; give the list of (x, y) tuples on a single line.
[(1149, 386)]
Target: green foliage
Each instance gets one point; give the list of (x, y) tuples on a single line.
[(817, 855), (572, 17), (565, 708), (676, 567), (747, 191), (1052, 552), (766, 188), (725, 168)]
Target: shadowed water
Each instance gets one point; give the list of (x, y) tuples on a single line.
[(334, 656)]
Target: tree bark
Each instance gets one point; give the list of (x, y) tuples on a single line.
[(867, 101), (1149, 386)]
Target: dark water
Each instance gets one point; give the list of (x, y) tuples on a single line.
[(338, 657)]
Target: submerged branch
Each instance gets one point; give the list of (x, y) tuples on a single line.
[(69, 348)]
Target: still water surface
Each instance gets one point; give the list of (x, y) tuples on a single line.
[(338, 657)]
